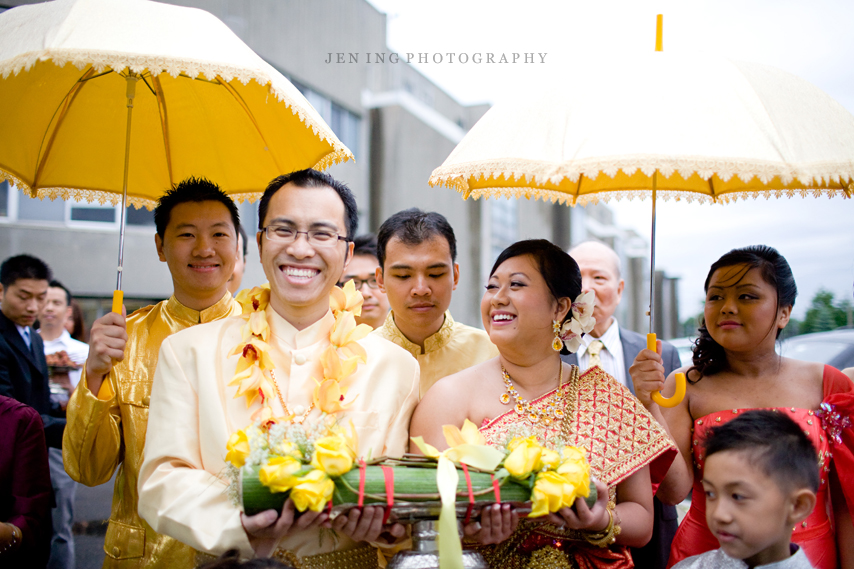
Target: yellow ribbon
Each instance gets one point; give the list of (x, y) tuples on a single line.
[(466, 446)]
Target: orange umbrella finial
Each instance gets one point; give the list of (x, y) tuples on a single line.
[(659, 32)]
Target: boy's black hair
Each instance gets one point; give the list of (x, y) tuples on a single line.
[(413, 227), (23, 267), (57, 284), (192, 190), (774, 444), (365, 245)]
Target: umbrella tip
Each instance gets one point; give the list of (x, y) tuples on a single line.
[(659, 32)]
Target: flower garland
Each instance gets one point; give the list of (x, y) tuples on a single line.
[(254, 376)]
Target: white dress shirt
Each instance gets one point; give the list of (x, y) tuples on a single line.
[(25, 332), (611, 354), (77, 352)]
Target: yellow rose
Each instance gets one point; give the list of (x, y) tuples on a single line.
[(549, 460), (312, 491), (551, 493), (576, 470), (333, 456), (238, 449), (287, 448), (278, 473), (523, 458)]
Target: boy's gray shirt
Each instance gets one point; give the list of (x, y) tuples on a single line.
[(717, 559)]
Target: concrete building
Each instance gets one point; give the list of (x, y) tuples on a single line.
[(399, 125)]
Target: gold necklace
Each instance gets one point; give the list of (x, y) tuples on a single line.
[(523, 406), (293, 416)]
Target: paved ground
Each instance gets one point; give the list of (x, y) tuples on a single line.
[(91, 510)]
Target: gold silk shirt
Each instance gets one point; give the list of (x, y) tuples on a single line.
[(453, 348), (182, 484), (109, 432)]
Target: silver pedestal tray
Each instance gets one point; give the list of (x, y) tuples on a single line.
[(425, 550)]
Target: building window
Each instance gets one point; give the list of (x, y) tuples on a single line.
[(92, 213), (503, 226), (4, 199), (344, 124), (34, 209), (139, 217)]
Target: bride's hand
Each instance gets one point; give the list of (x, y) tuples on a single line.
[(497, 523), (583, 518)]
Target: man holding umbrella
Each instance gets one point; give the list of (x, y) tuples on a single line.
[(108, 413)]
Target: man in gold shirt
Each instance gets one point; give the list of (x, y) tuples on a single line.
[(306, 222), (418, 271), (107, 415)]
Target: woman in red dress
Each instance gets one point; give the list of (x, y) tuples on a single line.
[(750, 293)]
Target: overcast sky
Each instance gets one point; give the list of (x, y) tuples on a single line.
[(807, 38)]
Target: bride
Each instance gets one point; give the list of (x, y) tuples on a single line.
[(532, 309)]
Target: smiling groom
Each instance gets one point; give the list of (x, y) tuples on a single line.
[(306, 223)]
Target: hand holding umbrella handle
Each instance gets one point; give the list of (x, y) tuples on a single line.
[(118, 298), (680, 382)]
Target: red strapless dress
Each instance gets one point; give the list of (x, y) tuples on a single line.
[(831, 430)]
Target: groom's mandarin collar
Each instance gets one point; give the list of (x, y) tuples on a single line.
[(286, 332)]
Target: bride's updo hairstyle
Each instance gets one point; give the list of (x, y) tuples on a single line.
[(709, 357), (559, 270)]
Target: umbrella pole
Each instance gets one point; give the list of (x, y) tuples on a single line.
[(118, 295), (651, 343), (652, 267)]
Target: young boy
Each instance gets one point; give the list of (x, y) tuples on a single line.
[(760, 479)]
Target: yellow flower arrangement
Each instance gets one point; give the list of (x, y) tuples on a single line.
[(524, 456), (312, 491), (333, 455), (279, 473)]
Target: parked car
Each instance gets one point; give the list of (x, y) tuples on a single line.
[(683, 347), (834, 348)]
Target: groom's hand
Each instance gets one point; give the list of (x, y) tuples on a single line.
[(264, 530), (366, 524)]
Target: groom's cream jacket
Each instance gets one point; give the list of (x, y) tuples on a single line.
[(182, 489)]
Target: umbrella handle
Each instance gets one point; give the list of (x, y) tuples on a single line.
[(118, 298), (680, 382)]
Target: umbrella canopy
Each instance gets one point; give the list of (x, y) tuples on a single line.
[(685, 126), (702, 128), (205, 104)]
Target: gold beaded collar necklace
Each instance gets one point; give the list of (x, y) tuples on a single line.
[(523, 406)]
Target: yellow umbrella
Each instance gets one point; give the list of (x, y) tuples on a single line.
[(694, 128), (110, 98)]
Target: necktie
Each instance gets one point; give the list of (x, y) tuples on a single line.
[(27, 341), (593, 349)]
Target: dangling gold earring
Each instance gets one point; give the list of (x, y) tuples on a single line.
[(557, 343)]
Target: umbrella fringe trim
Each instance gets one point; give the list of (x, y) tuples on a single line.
[(100, 196), (628, 195), (818, 175), (102, 61), (336, 157)]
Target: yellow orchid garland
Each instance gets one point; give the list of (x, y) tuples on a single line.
[(253, 377)]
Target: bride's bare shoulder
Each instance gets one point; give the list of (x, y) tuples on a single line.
[(462, 382)]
